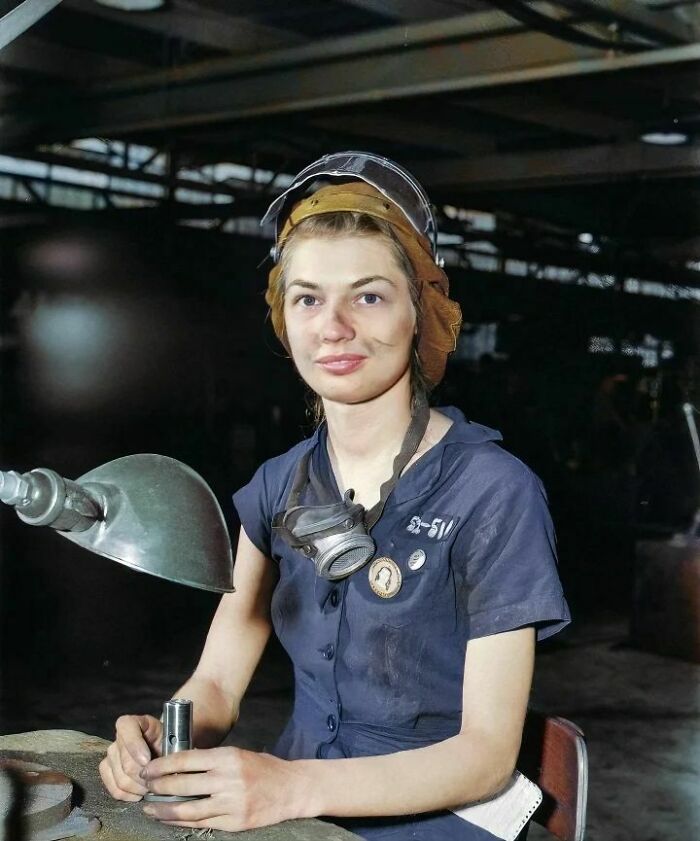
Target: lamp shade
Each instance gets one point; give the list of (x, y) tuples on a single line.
[(149, 512)]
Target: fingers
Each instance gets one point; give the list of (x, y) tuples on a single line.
[(113, 787), (152, 730), (124, 761), (224, 822), (131, 783), (131, 733), (187, 761), (184, 784), (127, 756), (193, 810)]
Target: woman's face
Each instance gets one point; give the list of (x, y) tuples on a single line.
[(349, 317)]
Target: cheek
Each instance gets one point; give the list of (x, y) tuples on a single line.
[(297, 334), (404, 326)]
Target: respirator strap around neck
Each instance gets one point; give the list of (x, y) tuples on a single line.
[(411, 442)]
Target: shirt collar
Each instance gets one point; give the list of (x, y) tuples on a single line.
[(466, 431), (421, 474)]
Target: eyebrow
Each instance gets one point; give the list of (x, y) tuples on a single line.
[(356, 284)]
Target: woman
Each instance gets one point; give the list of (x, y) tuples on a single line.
[(410, 604)]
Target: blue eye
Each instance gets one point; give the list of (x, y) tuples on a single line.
[(371, 298), (306, 300)]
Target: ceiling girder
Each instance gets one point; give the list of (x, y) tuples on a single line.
[(22, 17), (392, 128), (550, 113), (410, 9), (632, 15), (315, 83), (559, 167), (187, 20), (432, 58), (58, 61)]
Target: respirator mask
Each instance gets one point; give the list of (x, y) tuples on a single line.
[(335, 535)]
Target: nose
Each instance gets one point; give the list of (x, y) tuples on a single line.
[(337, 324)]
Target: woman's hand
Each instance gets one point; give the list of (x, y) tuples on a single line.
[(137, 739), (241, 789)]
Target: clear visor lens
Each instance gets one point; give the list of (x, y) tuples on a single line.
[(389, 178)]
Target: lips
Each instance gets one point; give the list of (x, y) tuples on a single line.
[(342, 363)]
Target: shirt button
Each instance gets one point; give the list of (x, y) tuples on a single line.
[(328, 651), (332, 723), (334, 598)]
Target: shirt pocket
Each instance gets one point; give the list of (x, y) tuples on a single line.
[(421, 588)]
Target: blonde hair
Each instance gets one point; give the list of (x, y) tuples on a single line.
[(353, 223)]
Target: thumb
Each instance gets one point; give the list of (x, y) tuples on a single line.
[(152, 730)]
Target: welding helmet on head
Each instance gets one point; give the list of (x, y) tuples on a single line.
[(361, 182), (392, 181)]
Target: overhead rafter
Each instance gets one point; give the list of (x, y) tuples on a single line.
[(187, 20), (551, 113), (425, 59), (398, 62), (587, 165), (665, 27), (438, 134), (22, 17), (410, 9), (60, 62)]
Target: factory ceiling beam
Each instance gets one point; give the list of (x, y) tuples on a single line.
[(188, 21), (559, 167), (440, 134), (22, 17), (632, 15), (410, 9), (552, 114), (56, 61), (399, 62), (82, 163)]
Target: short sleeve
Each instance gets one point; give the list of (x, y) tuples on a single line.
[(252, 503), (505, 555)]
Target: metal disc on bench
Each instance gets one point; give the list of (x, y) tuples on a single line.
[(44, 801)]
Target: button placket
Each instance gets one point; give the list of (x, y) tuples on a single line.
[(328, 653)]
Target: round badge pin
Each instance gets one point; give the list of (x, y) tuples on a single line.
[(385, 577), (416, 559)]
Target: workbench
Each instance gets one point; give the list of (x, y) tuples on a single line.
[(77, 755)]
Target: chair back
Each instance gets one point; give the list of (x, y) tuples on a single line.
[(553, 755)]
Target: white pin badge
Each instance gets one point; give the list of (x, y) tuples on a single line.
[(385, 577), (416, 559)]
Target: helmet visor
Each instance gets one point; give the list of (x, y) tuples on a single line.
[(393, 181)]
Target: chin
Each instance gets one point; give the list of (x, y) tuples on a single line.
[(343, 390)]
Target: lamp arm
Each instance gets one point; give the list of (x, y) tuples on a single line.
[(42, 497)]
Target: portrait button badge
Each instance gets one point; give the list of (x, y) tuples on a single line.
[(385, 577), (416, 559)]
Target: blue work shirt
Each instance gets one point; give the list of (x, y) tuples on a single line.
[(377, 675)]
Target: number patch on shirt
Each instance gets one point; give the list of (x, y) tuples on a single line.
[(437, 528)]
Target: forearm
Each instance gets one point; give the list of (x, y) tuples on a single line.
[(236, 640), (464, 768), (214, 712), (216, 691)]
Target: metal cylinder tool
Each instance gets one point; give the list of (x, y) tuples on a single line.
[(177, 736), (177, 726)]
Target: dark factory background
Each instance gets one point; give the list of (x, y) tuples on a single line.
[(137, 154)]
